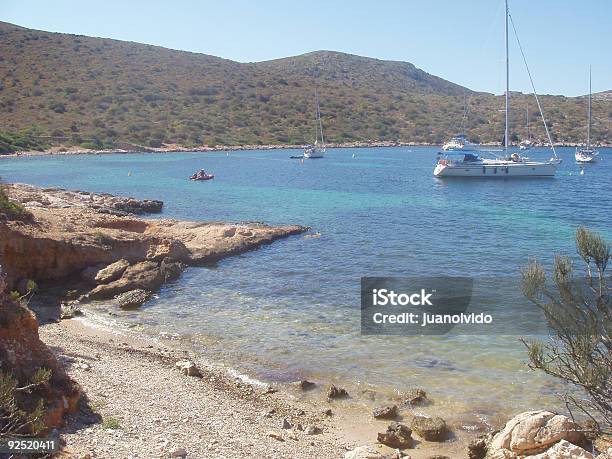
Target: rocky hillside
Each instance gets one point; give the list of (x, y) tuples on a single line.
[(23, 356), (97, 92)]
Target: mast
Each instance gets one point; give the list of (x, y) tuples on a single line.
[(316, 116), (528, 135), (319, 119), (589, 125), (506, 141)]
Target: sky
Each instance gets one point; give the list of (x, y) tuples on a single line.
[(459, 40)]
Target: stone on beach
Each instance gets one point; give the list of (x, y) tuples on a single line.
[(363, 452), (189, 368), (396, 436), (429, 428), (385, 412), (336, 392)]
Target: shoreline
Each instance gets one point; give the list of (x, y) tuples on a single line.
[(62, 151), (99, 357)]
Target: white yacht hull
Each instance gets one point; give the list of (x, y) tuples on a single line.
[(314, 153), (585, 158), (501, 169)]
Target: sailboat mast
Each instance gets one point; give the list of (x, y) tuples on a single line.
[(589, 125), (507, 85), (319, 119), (528, 135)]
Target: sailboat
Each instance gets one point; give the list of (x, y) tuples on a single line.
[(526, 144), (472, 164), (317, 150), (587, 154), (460, 142)]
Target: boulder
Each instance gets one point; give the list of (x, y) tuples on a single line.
[(189, 368), (145, 275), (397, 436), (564, 450), (363, 452), (133, 298), (336, 392), (111, 272), (429, 428), (385, 412), (533, 432)]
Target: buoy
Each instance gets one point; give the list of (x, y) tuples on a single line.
[(226, 154), (129, 173), (581, 171), (353, 155)]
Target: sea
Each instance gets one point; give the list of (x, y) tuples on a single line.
[(291, 310)]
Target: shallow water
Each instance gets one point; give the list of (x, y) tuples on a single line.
[(291, 309)]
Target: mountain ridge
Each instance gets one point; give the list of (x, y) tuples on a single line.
[(109, 90)]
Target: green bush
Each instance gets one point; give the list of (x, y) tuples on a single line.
[(9, 208)]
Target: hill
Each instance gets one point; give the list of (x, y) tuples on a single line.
[(80, 89)]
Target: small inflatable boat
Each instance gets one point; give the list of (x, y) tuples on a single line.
[(202, 177)]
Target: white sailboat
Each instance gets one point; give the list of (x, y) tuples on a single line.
[(587, 154), (472, 164), (317, 150)]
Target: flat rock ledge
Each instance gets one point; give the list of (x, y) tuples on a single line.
[(93, 238)]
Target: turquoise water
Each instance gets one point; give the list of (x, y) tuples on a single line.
[(291, 309)]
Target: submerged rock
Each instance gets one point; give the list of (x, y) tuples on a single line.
[(429, 428), (133, 298), (385, 412), (305, 385), (397, 436), (412, 397), (336, 392)]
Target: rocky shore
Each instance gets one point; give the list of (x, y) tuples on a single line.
[(174, 148), (97, 242)]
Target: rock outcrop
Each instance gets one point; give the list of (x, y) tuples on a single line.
[(535, 434), (22, 354), (76, 233)]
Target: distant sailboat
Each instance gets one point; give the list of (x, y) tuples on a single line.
[(587, 154), (471, 164), (317, 150)]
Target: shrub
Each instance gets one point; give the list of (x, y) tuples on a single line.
[(14, 419), (580, 318)]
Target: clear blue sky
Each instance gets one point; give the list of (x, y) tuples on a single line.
[(460, 40)]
